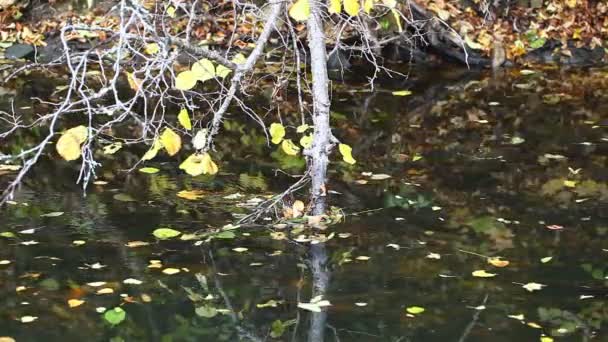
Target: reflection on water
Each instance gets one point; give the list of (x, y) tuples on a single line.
[(480, 166)]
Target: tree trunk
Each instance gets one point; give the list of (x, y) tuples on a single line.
[(321, 146)]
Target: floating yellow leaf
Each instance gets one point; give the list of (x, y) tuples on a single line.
[(300, 10), (414, 310), (277, 132), (347, 153), (335, 6), (498, 262), (151, 153), (351, 7), (483, 274), (546, 259), (171, 141), (198, 164), (306, 141), (546, 339), (185, 80), (106, 290), (184, 119), (171, 271), (203, 70), (191, 194), (570, 184), (152, 49), (150, 170), (240, 249), (533, 287), (75, 302), (289, 147), (69, 144), (402, 93)]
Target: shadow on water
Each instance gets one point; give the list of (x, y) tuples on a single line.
[(468, 167)]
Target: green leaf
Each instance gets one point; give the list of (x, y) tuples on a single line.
[(115, 316), (165, 233), (8, 235), (225, 235), (277, 329)]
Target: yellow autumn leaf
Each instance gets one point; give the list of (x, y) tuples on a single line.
[(184, 119), (203, 70), (472, 44), (335, 6), (192, 195), (347, 153), (75, 302), (185, 80), (546, 339), (300, 10), (69, 144), (289, 147), (171, 11), (351, 7), (397, 17), (152, 48), (198, 164), (368, 5), (151, 153), (171, 141), (483, 274), (222, 71), (277, 132), (306, 141), (209, 165), (134, 82), (498, 262)]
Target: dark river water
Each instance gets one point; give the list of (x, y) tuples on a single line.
[(477, 211)]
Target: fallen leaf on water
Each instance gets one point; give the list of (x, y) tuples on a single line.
[(75, 302), (533, 286), (240, 249), (133, 244), (149, 170), (546, 259), (363, 258), (97, 283), (434, 256), (483, 274), (192, 195), (28, 319), (402, 93), (131, 281), (78, 242), (380, 176), (105, 290), (171, 271), (498, 262), (361, 304), (519, 317), (555, 227), (165, 233), (414, 310)]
